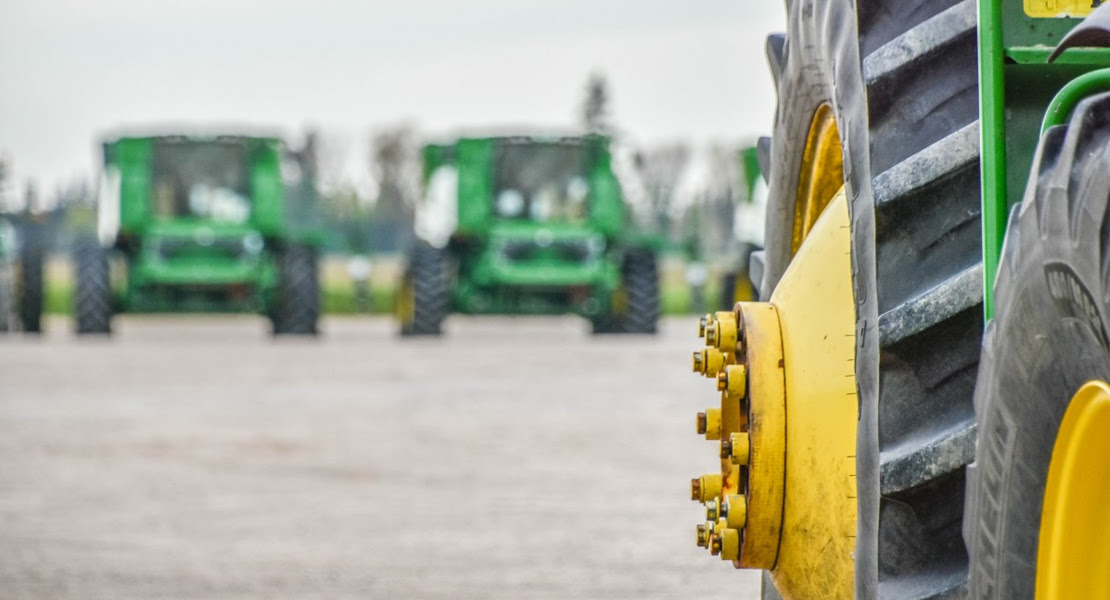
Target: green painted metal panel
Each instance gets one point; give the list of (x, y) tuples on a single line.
[(1016, 88), (475, 160), (132, 156), (267, 192)]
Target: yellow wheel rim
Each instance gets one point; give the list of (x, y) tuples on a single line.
[(404, 306), (821, 174), (1073, 557)]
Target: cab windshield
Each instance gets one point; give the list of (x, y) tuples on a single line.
[(204, 180), (541, 181)]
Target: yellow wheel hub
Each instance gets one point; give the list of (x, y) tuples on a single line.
[(1074, 551), (784, 499)]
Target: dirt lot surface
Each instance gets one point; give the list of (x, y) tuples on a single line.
[(195, 457)]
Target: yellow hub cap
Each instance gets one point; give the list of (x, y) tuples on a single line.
[(1073, 558)]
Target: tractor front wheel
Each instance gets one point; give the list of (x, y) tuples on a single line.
[(93, 298), (1048, 340), (422, 301), (298, 308), (641, 284)]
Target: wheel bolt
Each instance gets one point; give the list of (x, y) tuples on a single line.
[(709, 423), (711, 334), (704, 531), (728, 540), (712, 511), (735, 511), (714, 544), (736, 447), (705, 488)]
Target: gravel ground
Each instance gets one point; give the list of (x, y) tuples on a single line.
[(194, 457)]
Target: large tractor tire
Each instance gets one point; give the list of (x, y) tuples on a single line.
[(893, 84), (298, 302), (30, 287), (423, 300), (641, 285), (92, 305), (1048, 337)]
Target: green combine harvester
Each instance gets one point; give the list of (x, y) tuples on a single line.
[(527, 225), (202, 224)]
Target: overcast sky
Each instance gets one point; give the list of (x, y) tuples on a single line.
[(73, 70)]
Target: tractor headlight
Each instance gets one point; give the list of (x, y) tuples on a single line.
[(253, 243)]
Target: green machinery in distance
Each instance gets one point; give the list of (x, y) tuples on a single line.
[(202, 224), (527, 225)]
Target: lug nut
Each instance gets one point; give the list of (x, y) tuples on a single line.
[(734, 511), (704, 531), (705, 488), (734, 380), (712, 512), (714, 544), (736, 447), (711, 334), (710, 360), (699, 361), (709, 423), (728, 544), (725, 332)]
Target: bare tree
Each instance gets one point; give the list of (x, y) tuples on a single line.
[(660, 169), (396, 167), (595, 108)]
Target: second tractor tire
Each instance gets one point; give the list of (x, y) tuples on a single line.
[(1048, 337)]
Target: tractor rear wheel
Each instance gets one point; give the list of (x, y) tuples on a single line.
[(641, 284), (92, 304), (298, 302), (890, 89), (1048, 338), (422, 302), (31, 287)]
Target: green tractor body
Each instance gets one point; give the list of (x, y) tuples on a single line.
[(529, 225), (203, 226)]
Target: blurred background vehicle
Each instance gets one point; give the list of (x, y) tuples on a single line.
[(527, 225), (201, 224)]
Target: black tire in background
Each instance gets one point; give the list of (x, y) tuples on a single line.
[(427, 278), (92, 302), (641, 283), (298, 298), (8, 315), (1048, 337), (31, 287), (902, 80)]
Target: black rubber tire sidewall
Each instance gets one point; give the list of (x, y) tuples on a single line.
[(31, 287)]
